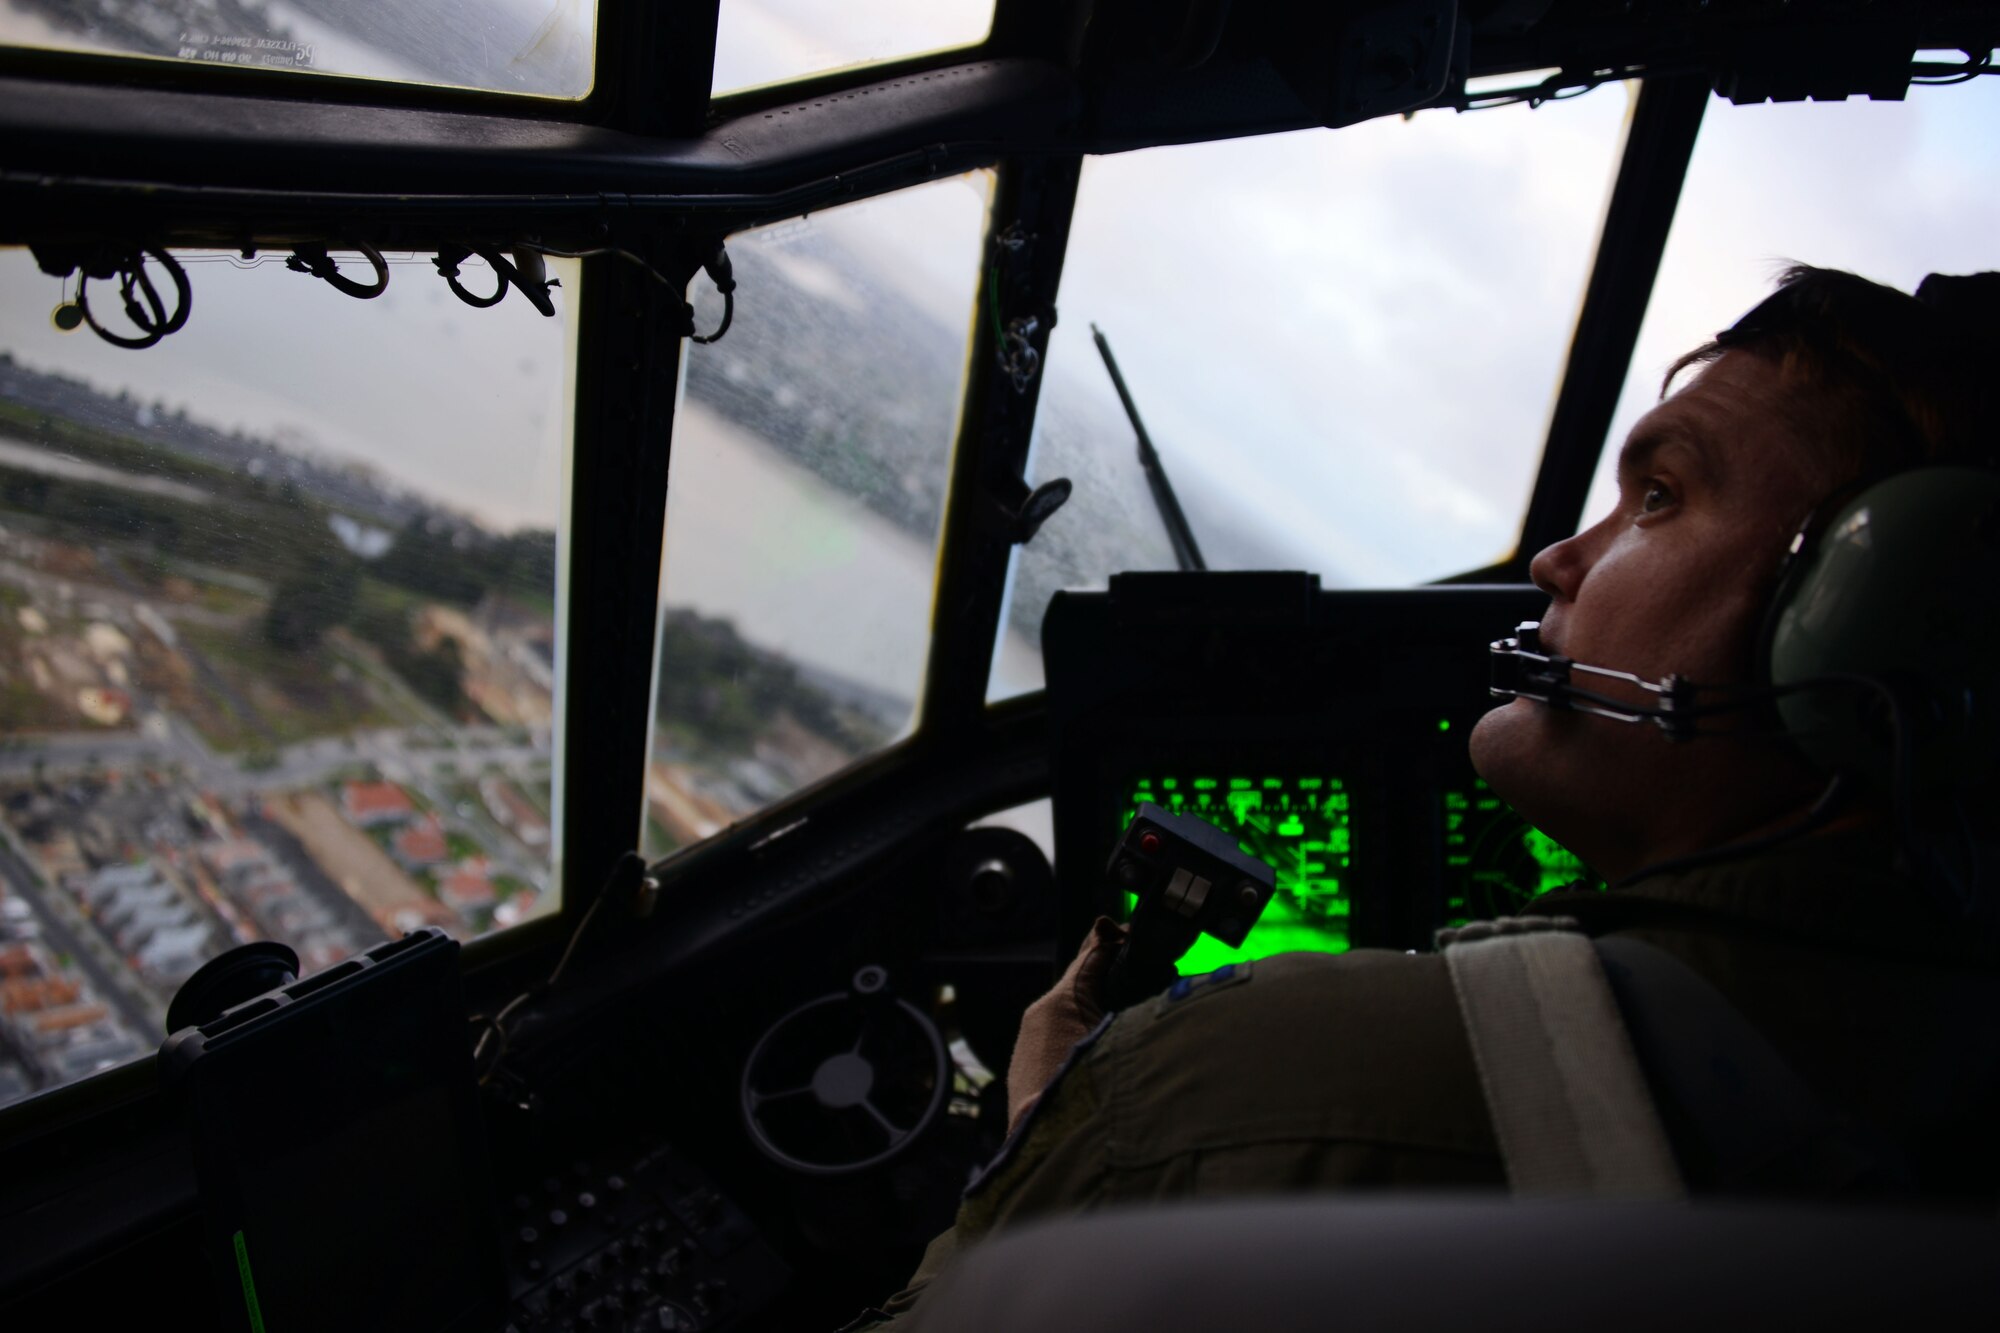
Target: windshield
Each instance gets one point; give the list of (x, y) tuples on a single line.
[(1344, 346), (769, 41), (278, 634), (805, 504), (1889, 190), (541, 47)]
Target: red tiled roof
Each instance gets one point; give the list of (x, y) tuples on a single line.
[(232, 852), (423, 844), (375, 798), (36, 995), (464, 889)]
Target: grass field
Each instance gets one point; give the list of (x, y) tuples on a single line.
[(291, 696)]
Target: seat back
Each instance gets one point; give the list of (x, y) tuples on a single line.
[(1456, 1265)]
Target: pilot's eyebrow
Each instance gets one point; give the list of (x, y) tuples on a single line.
[(1640, 451)]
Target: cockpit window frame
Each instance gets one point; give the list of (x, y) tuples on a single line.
[(652, 68), (652, 91)]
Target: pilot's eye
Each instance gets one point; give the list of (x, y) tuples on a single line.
[(1655, 496)]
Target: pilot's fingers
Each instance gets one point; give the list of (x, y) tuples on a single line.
[(1093, 964), (1060, 1019)]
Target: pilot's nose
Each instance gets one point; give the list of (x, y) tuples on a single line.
[(1559, 567)]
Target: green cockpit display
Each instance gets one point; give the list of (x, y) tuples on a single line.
[(1301, 827), (1494, 860)]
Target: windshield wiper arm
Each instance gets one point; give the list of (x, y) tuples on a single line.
[(1178, 531)]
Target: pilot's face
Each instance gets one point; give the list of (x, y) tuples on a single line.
[(1712, 483)]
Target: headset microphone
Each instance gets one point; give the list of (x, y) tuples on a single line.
[(1887, 596), (1522, 670)]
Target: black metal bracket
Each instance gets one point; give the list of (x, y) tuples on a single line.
[(1641, 213), (991, 508)]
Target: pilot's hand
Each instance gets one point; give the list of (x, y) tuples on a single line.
[(1060, 1019)]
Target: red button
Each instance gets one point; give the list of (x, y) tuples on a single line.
[(1149, 842)]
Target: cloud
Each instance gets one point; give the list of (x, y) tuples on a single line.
[(1372, 318)]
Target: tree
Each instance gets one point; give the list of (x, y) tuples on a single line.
[(308, 603)]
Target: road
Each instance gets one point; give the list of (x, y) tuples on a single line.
[(163, 740), (431, 753), (315, 880), (66, 933), (414, 756)]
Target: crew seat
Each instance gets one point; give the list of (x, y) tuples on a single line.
[(1456, 1265)]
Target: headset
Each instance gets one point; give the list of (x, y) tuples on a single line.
[(1878, 654)]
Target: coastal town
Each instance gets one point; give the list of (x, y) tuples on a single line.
[(182, 770), (248, 692)]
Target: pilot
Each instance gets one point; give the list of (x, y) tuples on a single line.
[(1872, 971)]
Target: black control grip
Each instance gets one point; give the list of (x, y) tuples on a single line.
[(1145, 963)]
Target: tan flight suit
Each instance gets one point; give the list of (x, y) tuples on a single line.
[(1309, 1071)]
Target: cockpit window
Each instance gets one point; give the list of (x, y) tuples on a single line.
[(278, 633), (812, 449), (773, 41), (1889, 190), (536, 47), (1344, 345)]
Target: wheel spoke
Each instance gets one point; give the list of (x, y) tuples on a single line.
[(896, 1133)]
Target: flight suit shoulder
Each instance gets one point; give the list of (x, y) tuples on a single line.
[(1360, 1048)]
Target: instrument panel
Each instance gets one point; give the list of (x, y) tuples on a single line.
[(1324, 730)]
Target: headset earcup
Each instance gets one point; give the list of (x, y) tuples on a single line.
[(1899, 586)]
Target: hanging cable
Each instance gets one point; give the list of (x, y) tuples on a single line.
[(719, 268), (723, 274), (448, 260), (151, 316), (1928, 73), (525, 274), (636, 260), (315, 260), (1558, 87)]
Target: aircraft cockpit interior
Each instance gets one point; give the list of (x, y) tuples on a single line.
[(595, 596)]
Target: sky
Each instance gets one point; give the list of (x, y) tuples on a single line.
[(1347, 338), (465, 406), (767, 41)]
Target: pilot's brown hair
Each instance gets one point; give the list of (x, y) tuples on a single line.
[(1882, 380)]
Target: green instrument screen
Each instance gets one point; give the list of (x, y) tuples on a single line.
[(1299, 826), (1495, 861)]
